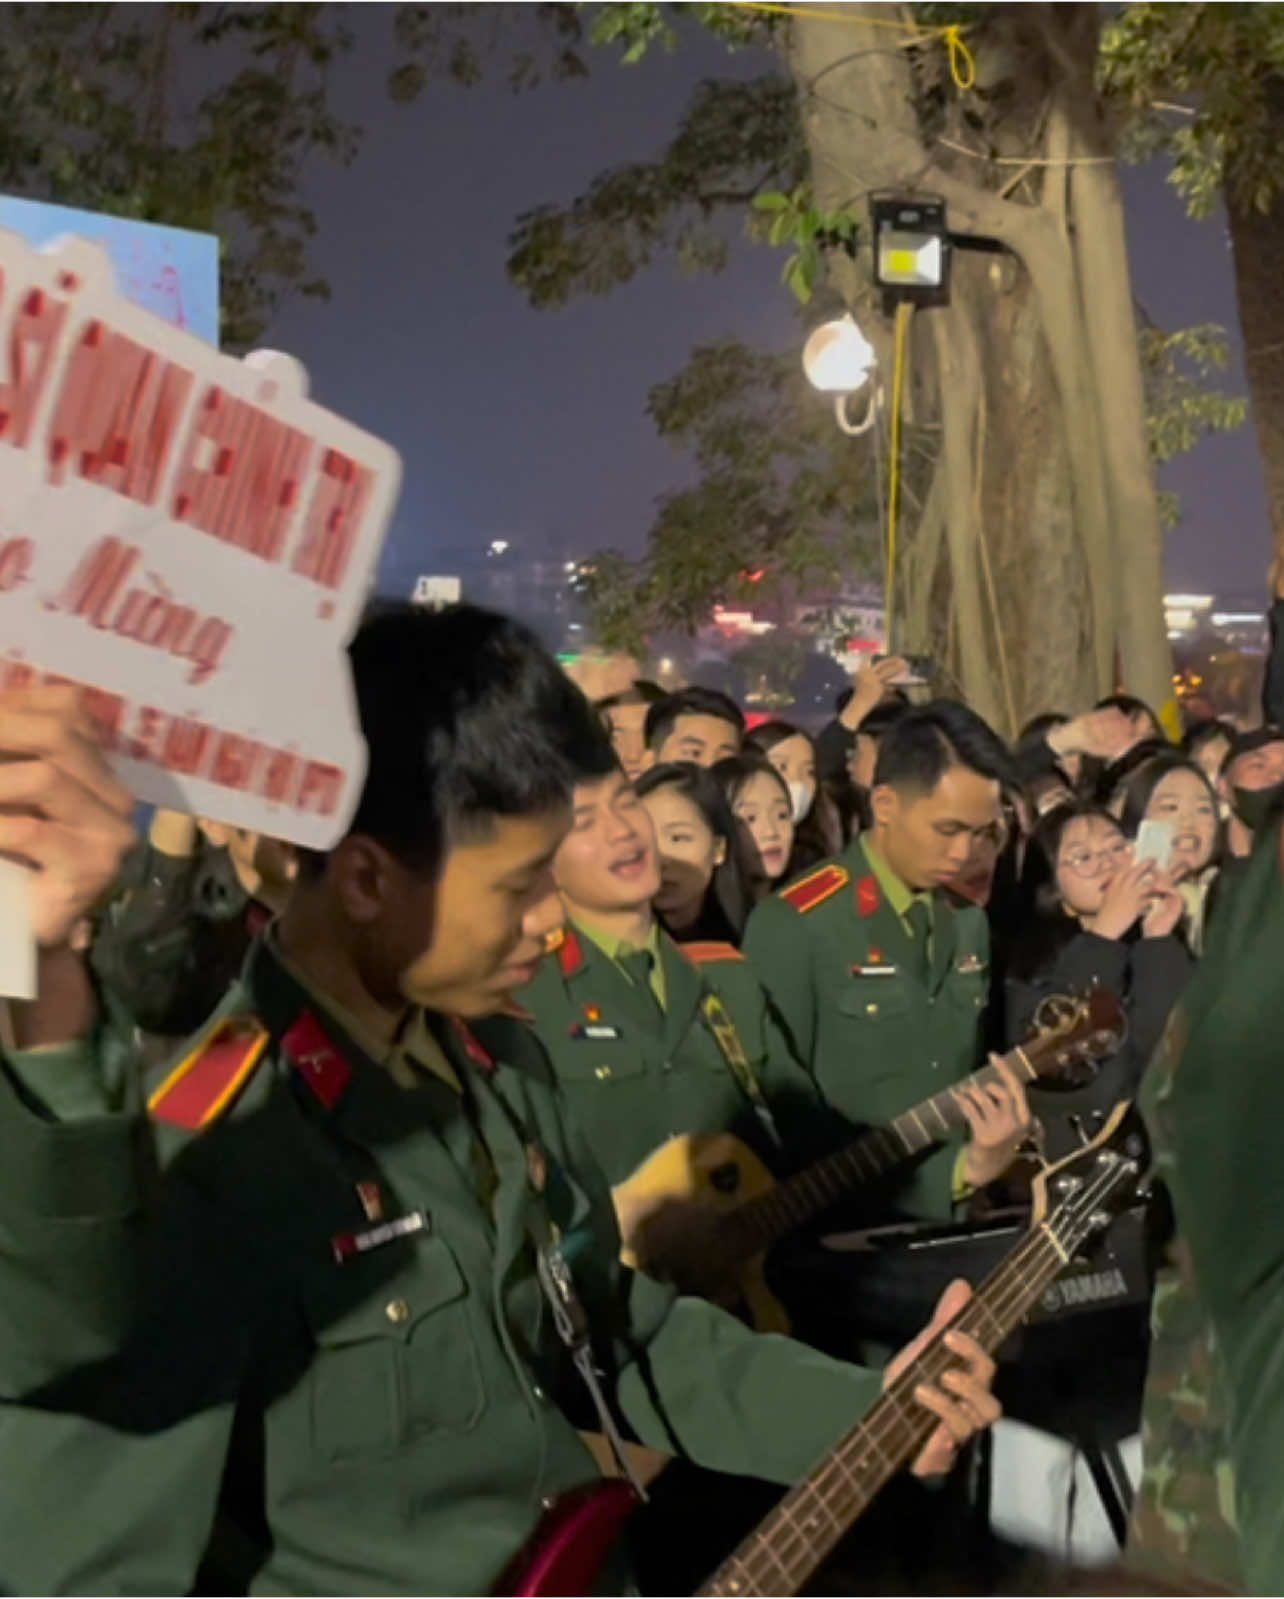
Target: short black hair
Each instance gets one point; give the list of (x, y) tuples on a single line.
[(1130, 705), (639, 692), (876, 724), (694, 701), (1246, 743), (928, 740), (466, 717)]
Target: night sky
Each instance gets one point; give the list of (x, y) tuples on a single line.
[(530, 426)]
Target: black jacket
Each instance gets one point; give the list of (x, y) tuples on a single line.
[(1147, 974)]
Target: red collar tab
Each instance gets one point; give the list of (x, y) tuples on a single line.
[(570, 953), (868, 898), (316, 1060), (473, 1047)]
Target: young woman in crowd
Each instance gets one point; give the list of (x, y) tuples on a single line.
[(704, 874), (1173, 789), (818, 828), (1087, 912), (760, 801), (1208, 744)]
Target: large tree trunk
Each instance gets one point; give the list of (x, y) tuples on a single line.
[(1026, 508), (1257, 243)]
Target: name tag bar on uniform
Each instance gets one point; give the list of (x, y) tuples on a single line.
[(875, 971), (344, 1246), (596, 1031)]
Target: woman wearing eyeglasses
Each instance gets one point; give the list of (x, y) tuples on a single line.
[(1086, 912)]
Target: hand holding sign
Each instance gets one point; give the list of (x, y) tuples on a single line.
[(62, 812)]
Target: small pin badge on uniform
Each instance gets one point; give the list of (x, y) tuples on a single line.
[(371, 1200), (593, 1012), (536, 1167)]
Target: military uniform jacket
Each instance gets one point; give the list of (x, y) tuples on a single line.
[(878, 1037), (192, 1381), (1225, 1106), (633, 1078)]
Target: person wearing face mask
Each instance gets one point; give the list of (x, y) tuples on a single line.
[(818, 828), (1086, 913), (704, 874), (761, 802), (1172, 790)]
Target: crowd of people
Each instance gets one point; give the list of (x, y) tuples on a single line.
[(330, 1243)]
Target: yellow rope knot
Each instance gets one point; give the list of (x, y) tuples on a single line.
[(962, 61)]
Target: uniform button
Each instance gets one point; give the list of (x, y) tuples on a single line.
[(397, 1310), (871, 1009), (539, 1393), (547, 1502), (601, 1071), (668, 1066), (935, 1064)]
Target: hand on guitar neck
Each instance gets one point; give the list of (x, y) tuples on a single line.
[(963, 1400), (999, 1119)]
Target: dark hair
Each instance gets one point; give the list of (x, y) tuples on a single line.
[(1146, 779), (734, 771), (1200, 734), (922, 745), (1036, 730), (1106, 780), (727, 900), (820, 832), (466, 717), (1039, 927), (884, 716), (639, 692), (694, 701), (767, 735), (1246, 743), (1130, 705)]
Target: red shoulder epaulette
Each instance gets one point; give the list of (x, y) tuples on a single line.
[(812, 890), (211, 1074), (711, 951)]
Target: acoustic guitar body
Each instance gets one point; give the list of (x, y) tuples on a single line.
[(714, 1172)]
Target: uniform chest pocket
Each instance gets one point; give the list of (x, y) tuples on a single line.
[(969, 990), (400, 1362), (876, 999), (585, 1061)]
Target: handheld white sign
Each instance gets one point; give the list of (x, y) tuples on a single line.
[(191, 539)]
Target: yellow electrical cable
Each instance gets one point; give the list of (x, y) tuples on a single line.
[(962, 61), (904, 311)]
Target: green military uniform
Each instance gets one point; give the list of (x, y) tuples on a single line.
[(1228, 1188), (1183, 1522), (685, 1046), (228, 1365), (881, 992)]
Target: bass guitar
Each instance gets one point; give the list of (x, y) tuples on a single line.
[(702, 1210), (1073, 1200)]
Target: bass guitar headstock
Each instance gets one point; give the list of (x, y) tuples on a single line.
[(1082, 1194)]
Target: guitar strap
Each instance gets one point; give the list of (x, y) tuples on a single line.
[(724, 1031), (573, 1329)]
